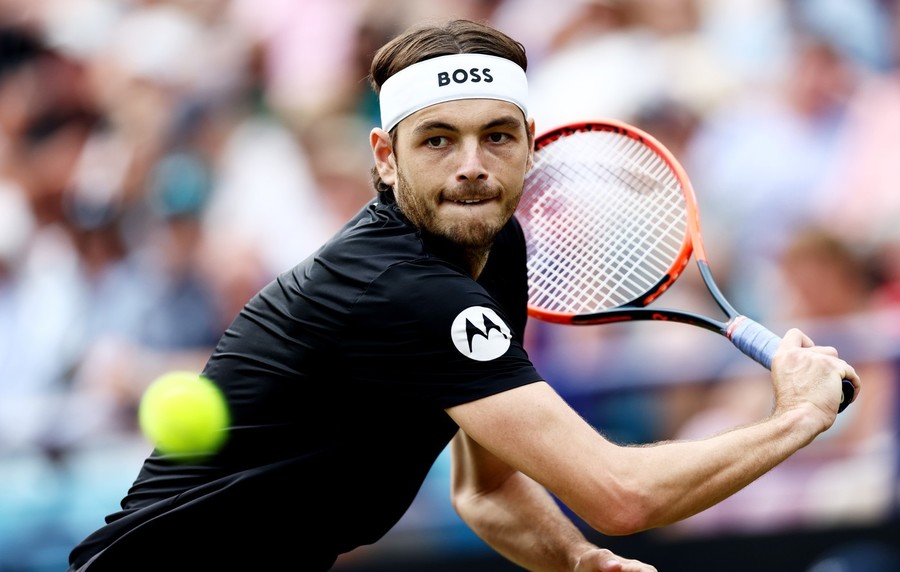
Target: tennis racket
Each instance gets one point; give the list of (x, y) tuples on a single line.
[(611, 222)]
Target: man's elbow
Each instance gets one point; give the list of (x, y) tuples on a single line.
[(463, 500), (629, 513)]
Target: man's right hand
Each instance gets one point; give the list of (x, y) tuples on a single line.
[(803, 372)]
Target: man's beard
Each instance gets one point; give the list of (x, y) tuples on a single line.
[(472, 234)]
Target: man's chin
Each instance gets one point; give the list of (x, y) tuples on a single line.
[(473, 235)]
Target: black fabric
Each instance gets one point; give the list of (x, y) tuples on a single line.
[(338, 374)]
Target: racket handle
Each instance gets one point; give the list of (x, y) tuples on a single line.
[(758, 342)]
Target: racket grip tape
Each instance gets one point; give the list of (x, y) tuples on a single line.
[(760, 343)]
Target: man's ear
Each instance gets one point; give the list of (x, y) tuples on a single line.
[(530, 163), (383, 152)]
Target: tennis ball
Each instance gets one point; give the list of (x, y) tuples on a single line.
[(184, 415)]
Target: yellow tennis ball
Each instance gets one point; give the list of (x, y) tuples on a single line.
[(184, 415)]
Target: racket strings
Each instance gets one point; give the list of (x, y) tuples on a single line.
[(605, 220)]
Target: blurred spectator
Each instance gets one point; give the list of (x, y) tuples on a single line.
[(589, 70), (887, 262), (760, 162), (44, 129), (862, 202), (824, 277)]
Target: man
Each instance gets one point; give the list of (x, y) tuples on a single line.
[(349, 374)]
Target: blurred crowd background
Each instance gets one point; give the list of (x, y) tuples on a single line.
[(160, 160)]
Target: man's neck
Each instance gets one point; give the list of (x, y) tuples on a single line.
[(476, 259)]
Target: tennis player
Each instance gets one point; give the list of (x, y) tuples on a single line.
[(350, 373)]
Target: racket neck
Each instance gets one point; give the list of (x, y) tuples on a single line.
[(714, 290)]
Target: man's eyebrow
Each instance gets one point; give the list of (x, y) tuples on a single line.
[(434, 126), (508, 121)]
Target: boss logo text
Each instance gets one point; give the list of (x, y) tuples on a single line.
[(473, 75)]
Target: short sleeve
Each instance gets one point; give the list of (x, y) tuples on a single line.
[(425, 331)]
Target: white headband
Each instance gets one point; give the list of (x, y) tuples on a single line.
[(447, 78)]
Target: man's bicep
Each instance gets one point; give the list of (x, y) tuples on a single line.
[(530, 429)]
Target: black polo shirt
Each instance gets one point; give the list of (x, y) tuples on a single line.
[(338, 374)]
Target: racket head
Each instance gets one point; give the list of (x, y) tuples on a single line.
[(610, 220)]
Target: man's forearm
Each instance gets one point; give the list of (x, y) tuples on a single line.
[(522, 521)]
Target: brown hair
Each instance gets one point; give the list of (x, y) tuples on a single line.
[(424, 42)]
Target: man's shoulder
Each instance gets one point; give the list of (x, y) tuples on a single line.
[(378, 229)]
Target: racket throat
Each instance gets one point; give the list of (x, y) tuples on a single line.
[(715, 292)]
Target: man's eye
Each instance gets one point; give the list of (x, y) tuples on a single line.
[(498, 137), (436, 141)]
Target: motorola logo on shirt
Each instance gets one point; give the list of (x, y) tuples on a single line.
[(479, 333)]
